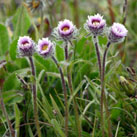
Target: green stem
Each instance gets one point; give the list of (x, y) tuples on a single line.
[(35, 97), (71, 90), (65, 94), (11, 130)]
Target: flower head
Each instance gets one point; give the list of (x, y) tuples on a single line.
[(65, 30), (25, 46), (95, 25), (35, 5), (45, 47), (117, 32)]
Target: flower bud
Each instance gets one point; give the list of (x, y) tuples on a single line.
[(95, 25), (117, 33), (65, 30), (45, 47), (25, 46)]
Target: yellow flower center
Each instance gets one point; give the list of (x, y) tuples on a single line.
[(44, 47), (35, 4), (65, 28), (96, 23)]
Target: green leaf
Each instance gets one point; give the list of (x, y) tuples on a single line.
[(21, 22), (11, 83), (12, 97), (45, 115), (30, 131), (80, 45), (115, 113), (56, 75), (13, 49), (59, 53), (57, 128), (46, 108), (76, 91), (46, 64), (17, 119), (4, 40), (55, 106)]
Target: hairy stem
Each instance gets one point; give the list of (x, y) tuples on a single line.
[(100, 67), (35, 97), (71, 90), (11, 130), (98, 53), (65, 95), (103, 97)]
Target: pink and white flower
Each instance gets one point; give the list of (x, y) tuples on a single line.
[(26, 46), (45, 47), (117, 33), (65, 30), (95, 25)]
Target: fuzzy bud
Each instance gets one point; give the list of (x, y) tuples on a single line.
[(65, 30), (117, 33), (25, 46), (45, 47), (95, 25)]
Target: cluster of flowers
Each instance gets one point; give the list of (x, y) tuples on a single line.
[(66, 31)]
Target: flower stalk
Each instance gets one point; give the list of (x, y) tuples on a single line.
[(97, 53), (100, 71), (103, 97), (11, 130), (65, 94), (35, 97), (71, 90), (66, 32), (102, 75)]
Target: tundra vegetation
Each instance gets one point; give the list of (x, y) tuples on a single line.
[(68, 68)]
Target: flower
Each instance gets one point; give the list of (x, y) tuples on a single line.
[(117, 33), (35, 5), (25, 46), (45, 47), (65, 30), (95, 25)]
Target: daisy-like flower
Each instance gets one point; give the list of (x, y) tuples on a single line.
[(95, 25), (35, 5), (26, 46), (117, 33), (45, 47), (65, 30)]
